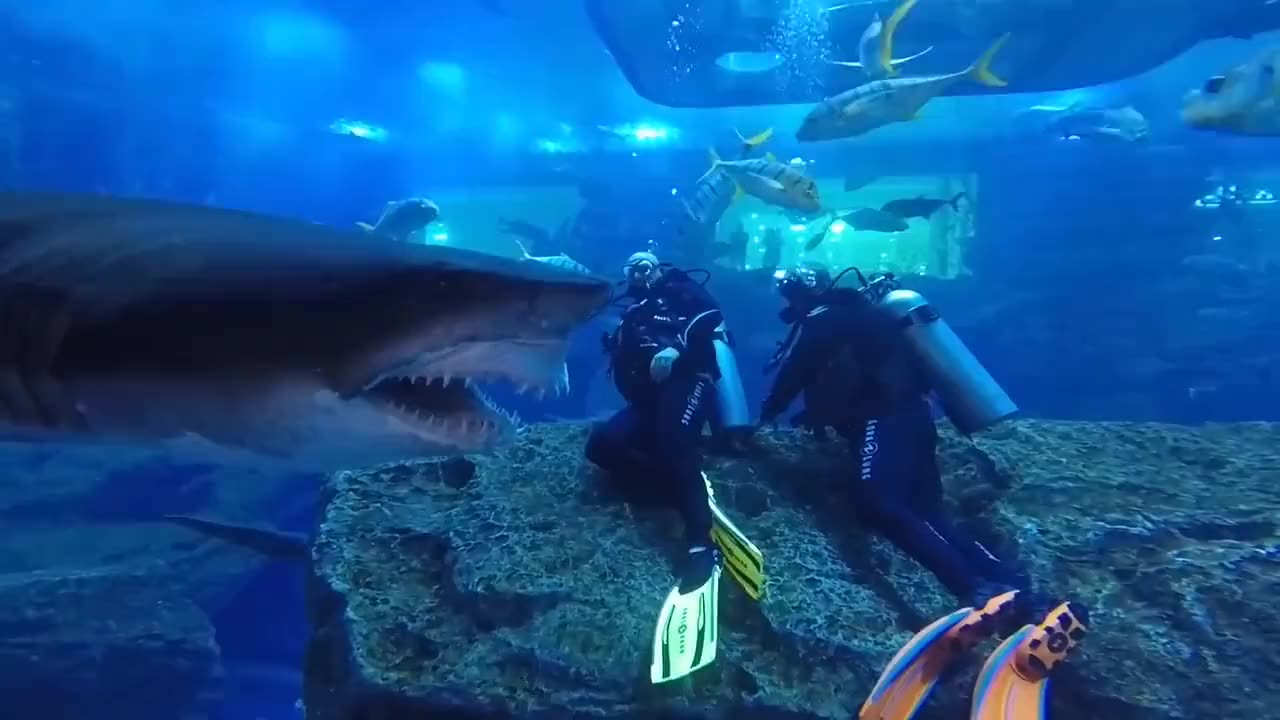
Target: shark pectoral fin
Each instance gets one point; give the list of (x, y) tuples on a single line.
[(365, 226), (267, 541)]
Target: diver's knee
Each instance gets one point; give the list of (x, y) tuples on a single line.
[(601, 447)]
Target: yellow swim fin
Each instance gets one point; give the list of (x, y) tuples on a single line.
[(685, 638), (1014, 682), (886, 37), (981, 70), (742, 558)]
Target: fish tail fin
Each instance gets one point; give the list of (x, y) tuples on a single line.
[(755, 141), (981, 69), (886, 36), (365, 226), (955, 201), (716, 162)]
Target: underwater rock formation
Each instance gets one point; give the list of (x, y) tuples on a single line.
[(106, 610), (107, 644), (521, 585)]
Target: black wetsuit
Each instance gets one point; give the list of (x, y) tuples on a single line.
[(655, 439), (854, 361)]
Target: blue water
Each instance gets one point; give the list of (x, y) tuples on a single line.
[(1101, 279)]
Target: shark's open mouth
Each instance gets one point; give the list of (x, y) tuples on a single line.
[(450, 408), (438, 396)]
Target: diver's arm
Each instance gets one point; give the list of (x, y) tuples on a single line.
[(814, 344)]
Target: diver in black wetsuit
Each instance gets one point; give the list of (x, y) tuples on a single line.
[(853, 360), (663, 363)]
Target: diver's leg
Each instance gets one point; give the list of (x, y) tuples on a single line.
[(885, 452), (682, 408), (623, 444), (925, 497), (983, 563)]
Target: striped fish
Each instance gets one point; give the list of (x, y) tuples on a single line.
[(773, 182), (883, 102), (562, 261), (713, 193)]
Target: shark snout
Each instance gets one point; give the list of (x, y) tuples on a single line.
[(559, 309)]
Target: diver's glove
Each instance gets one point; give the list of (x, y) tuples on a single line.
[(660, 366)]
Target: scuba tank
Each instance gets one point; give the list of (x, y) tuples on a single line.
[(731, 399), (972, 399)]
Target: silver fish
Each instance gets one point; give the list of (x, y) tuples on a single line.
[(774, 182), (401, 217), (875, 47), (882, 102), (562, 261)]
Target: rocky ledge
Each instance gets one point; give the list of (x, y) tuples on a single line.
[(524, 585)]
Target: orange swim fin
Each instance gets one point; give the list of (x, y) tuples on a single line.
[(1014, 682), (912, 674)]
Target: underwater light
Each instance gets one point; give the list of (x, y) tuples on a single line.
[(440, 237), (779, 274), (838, 227), (1217, 238), (749, 61), (797, 228), (358, 129), (645, 133), (674, 191)]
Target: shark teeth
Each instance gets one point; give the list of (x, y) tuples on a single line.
[(445, 404)]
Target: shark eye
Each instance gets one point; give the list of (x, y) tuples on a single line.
[(1213, 85)]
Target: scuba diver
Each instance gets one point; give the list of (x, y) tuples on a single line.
[(664, 362), (868, 360)]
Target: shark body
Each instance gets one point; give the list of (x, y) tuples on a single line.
[(140, 321)]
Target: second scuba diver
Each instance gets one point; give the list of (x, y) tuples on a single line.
[(663, 358), (870, 358)]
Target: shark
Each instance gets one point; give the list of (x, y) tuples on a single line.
[(138, 321)]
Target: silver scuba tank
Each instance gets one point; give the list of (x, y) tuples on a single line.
[(731, 399), (972, 399)]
